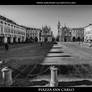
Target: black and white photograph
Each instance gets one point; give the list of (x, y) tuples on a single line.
[(46, 46)]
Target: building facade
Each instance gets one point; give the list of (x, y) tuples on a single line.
[(88, 33), (77, 34), (10, 32), (33, 34), (46, 34), (65, 34)]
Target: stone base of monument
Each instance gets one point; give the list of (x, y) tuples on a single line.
[(7, 76)]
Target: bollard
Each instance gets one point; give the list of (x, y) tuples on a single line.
[(54, 81), (1, 61), (7, 76)]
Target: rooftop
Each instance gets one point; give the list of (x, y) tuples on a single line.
[(6, 19), (88, 25)]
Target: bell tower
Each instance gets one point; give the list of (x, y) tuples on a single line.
[(59, 33)]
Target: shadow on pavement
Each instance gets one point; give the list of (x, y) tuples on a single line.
[(21, 83), (57, 52), (60, 56), (57, 47)]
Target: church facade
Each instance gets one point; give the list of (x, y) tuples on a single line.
[(67, 34), (64, 33)]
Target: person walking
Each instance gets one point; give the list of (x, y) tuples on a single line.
[(41, 43), (6, 44)]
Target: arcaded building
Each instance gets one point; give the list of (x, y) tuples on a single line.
[(77, 34), (33, 34), (88, 33), (11, 32)]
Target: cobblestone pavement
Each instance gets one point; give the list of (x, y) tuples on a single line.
[(26, 54), (68, 53)]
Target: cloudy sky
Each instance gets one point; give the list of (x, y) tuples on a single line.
[(38, 15)]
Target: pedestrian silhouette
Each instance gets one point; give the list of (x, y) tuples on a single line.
[(41, 43), (6, 46)]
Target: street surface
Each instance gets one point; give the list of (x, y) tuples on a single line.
[(32, 53), (65, 53), (69, 53), (61, 53)]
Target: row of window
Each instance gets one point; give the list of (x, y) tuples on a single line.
[(10, 25), (76, 31), (88, 37), (33, 31), (2, 22), (46, 34), (13, 31), (33, 34)]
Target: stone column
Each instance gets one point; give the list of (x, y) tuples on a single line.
[(38, 36), (51, 39), (11, 39), (7, 76), (38, 39), (54, 81), (16, 39), (59, 38), (41, 39), (5, 39), (24, 39), (21, 39), (48, 39)]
